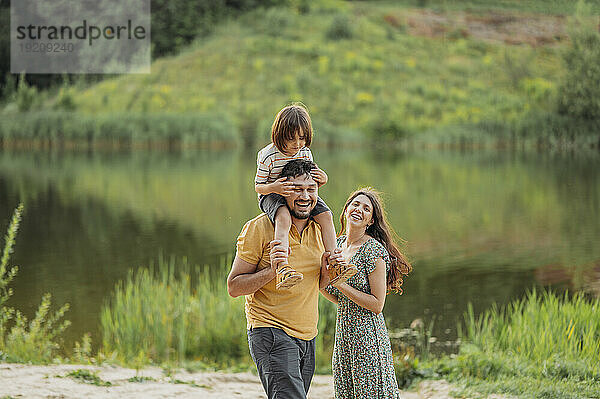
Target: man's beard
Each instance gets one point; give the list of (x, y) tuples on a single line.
[(299, 216)]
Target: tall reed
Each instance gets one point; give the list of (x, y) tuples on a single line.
[(49, 129), (173, 313), (544, 329), (23, 340)]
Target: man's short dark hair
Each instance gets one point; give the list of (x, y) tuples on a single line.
[(297, 167)]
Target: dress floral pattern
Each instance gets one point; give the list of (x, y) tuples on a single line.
[(362, 356)]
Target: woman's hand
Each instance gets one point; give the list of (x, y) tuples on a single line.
[(319, 175), (283, 187), (375, 300)]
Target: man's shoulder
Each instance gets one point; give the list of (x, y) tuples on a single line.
[(261, 224), (262, 220)]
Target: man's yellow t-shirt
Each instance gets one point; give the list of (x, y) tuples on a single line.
[(295, 310)]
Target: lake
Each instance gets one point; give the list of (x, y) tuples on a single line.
[(481, 227)]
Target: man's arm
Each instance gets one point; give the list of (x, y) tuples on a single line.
[(243, 278)]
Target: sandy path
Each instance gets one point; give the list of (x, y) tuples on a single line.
[(51, 382), (24, 381)]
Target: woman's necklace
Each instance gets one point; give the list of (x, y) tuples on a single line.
[(355, 243)]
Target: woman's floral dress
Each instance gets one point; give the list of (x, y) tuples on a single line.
[(362, 356)]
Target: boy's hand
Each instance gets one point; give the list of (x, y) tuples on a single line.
[(319, 175), (282, 187)]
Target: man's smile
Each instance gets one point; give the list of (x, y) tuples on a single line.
[(303, 204)]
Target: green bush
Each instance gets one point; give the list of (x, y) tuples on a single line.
[(340, 28), (326, 336), (579, 94), (54, 128), (389, 128), (276, 20), (32, 341), (541, 346), (171, 314), (26, 95)]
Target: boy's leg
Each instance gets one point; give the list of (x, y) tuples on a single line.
[(325, 220), (287, 277), (283, 224)]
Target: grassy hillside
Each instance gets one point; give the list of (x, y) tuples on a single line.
[(254, 65), (388, 69)]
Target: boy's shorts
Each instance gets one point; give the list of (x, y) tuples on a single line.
[(271, 202)]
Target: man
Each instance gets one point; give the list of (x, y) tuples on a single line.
[(282, 324)]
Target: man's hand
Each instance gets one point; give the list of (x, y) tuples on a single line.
[(282, 187), (319, 175), (278, 254), (338, 258), (324, 280)]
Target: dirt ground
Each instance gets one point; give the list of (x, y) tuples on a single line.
[(52, 382), (501, 27)]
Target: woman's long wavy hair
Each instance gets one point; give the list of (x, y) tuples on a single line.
[(382, 232)]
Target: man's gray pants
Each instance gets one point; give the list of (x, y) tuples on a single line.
[(285, 364)]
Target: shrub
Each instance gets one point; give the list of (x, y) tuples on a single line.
[(276, 20), (34, 341), (340, 28), (579, 94), (120, 129), (389, 128), (26, 95), (169, 314)]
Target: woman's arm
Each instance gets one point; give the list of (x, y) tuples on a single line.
[(331, 298), (376, 299)]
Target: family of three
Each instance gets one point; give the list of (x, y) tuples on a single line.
[(290, 253)]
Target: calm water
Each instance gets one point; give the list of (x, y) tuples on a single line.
[(480, 227)]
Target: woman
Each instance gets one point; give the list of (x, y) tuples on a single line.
[(362, 356)]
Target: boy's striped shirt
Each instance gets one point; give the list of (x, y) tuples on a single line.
[(270, 161)]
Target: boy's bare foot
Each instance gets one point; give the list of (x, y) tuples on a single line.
[(287, 277), (340, 273)]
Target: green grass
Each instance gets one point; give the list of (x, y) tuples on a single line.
[(542, 346), (159, 316), (190, 383), (141, 379), (176, 315), (88, 377), (355, 65), (537, 6), (60, 129), (23, 340)]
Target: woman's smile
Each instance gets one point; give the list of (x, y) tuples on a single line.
[(356, 216)]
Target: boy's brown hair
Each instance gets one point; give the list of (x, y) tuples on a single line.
[(288, 123)]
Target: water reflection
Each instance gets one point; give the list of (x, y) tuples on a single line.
[(481, 227)]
